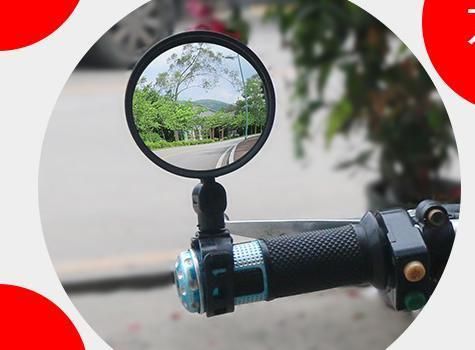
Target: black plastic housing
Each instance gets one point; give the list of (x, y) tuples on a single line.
[(214, 246)]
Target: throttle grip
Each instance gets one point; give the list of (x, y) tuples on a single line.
[(291, 264), (316, 260)]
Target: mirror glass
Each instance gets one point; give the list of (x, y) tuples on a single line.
[(200, 106)]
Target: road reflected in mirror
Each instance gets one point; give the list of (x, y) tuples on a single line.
[(200, 106)]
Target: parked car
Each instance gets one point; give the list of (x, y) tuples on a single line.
[(126, 41)]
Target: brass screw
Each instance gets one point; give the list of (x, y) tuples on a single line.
[(415, 271)]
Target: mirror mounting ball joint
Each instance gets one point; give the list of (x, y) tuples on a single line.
[(209, 203)]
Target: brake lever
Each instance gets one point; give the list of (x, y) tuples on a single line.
[(271, 228)]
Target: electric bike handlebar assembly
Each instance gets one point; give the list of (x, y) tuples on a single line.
[(401, 255)]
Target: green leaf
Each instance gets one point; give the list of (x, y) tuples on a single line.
[(338, 118), (323, 75), (435, 120)]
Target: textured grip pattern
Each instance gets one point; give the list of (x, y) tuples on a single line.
[(316, 260), (249, 257)]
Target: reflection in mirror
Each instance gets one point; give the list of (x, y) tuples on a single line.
[(200, 106)]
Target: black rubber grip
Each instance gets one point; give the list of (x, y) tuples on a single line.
[(312, 261)]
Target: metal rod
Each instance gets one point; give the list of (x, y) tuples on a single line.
[(245, 98)]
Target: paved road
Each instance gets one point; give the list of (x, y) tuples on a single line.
[(338, 320), (199, 157)]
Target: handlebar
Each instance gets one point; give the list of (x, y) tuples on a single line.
[(389, 250)]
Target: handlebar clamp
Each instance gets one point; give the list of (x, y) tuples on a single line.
[(212, 252)]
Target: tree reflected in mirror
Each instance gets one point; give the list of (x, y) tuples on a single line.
[(200, 106)]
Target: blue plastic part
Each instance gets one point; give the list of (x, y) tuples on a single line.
[(247, 256), (187, 281)]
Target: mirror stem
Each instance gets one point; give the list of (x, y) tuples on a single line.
[(209, 203)]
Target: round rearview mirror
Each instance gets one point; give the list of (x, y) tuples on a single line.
[(200, 104)]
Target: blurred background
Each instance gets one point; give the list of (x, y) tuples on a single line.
[(359, 125)]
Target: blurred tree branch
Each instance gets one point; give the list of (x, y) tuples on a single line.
[(386, 90)]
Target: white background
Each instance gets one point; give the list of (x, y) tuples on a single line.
[(32, 79)]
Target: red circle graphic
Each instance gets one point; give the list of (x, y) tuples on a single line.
[(449, 35), (23, 23), (30, 321)]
